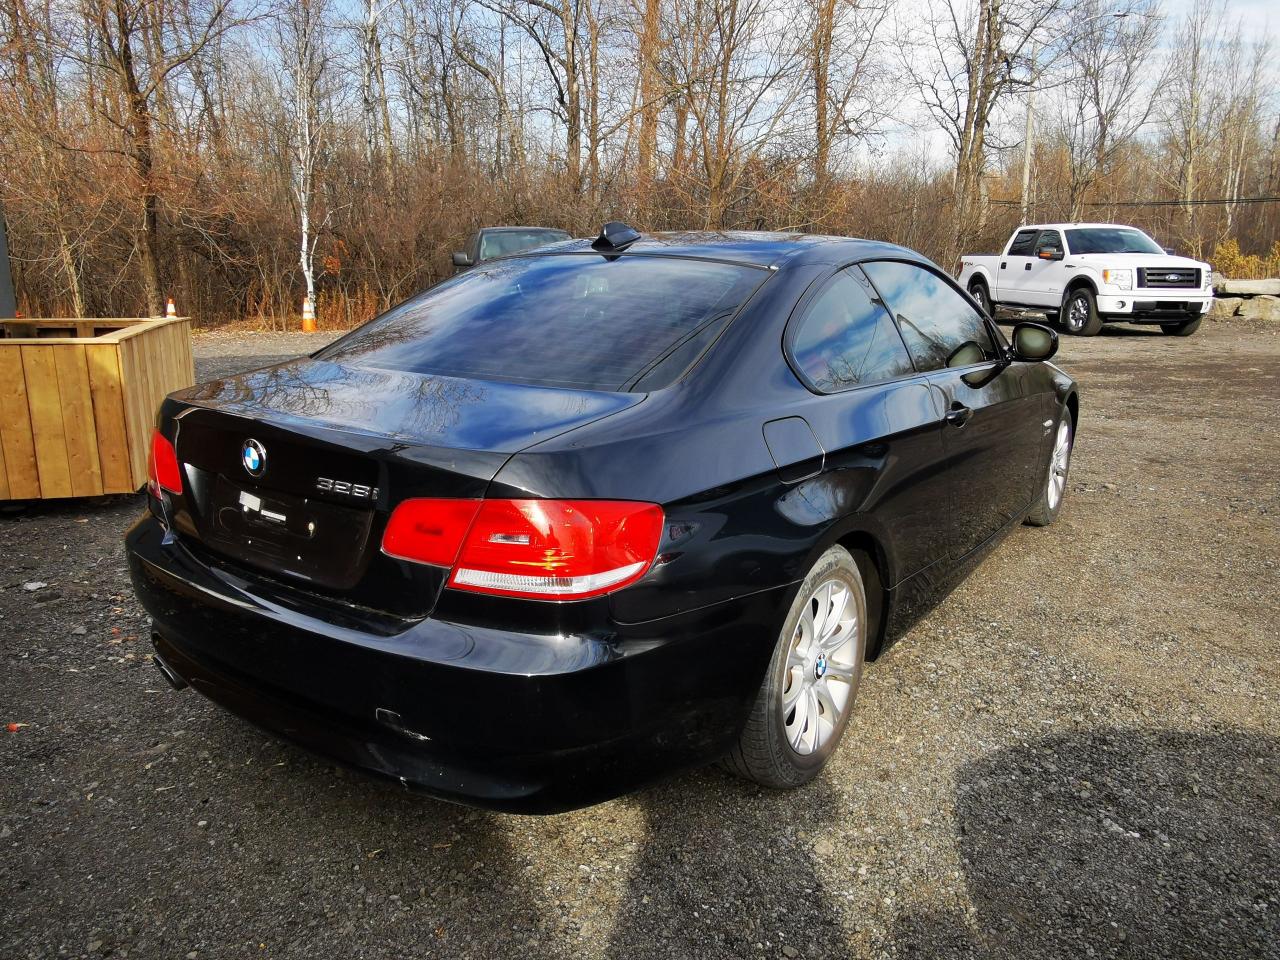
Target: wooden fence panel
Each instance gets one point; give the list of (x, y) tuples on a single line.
[(16, 439), (76, 413), (108, 416)]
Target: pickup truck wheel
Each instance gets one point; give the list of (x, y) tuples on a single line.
[(978, 290), (1049, 505), (1181, 329), (1080, 313)]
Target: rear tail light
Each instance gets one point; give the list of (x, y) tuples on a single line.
[(429, 531), (163, 471), (545, 549)]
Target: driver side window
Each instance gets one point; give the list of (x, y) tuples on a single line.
[(939, 326)]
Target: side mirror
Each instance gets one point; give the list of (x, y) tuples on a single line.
[(460, 259), (1170, 251), (1048, 253), (1034, 342)]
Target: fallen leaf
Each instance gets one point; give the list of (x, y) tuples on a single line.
[(15, 727)]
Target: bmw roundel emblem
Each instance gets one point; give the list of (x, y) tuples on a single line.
[(254, 457)]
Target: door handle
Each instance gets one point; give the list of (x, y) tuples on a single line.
[(1003, 264), (1027, 267), (959, 414)]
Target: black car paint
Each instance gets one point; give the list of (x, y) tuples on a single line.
[(539, 706)]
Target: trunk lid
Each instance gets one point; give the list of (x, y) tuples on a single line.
[(293, 470)]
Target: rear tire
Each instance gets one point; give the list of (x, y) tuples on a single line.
[(978, 290), (804, 704), (1049, 505), (1080, 313), (1185, 329)]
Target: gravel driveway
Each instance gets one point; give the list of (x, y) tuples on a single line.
[(1077, 755)]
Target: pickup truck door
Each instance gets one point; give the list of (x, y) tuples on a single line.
[(1046, 278), (1013, 267)]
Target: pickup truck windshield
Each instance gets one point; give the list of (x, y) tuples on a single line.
[(501, 243), (1111, 240), (575, 320)]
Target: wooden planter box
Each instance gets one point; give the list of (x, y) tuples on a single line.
[(78, 400)]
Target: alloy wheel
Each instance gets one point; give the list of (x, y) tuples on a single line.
[(821, 666), (1077, 313), (1059, 464)]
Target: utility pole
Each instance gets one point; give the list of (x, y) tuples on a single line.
[(1031, 129), (1031, 115)]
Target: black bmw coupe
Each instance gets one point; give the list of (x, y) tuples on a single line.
[(578, 518)]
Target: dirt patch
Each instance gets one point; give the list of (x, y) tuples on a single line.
[(1077, 754)]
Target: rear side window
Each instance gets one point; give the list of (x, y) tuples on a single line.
[(847, 338), (579, 321), (940, 327), (1022, 243)]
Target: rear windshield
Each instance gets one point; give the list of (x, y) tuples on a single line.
[(580, 321), (1111, 240), (499, 243)]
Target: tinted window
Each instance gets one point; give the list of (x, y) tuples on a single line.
[(500, 243), (1021, 246), (568, 320), (1111, 240), (939, 326), (846, 337), (1049, 238)]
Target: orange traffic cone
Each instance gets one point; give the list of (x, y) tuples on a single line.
[(169, 309), (308, 316)]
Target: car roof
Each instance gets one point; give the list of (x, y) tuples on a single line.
[(1076, 226), (756, 248)]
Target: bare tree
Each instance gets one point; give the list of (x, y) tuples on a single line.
[(975, 53), (304, 52), (651, 88), (740, 77), (556, 28), (376, 111), (1244, 75), (1108, 63), (139, 45), (1189, 92), (847, 73)]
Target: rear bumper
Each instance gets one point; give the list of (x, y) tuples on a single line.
[(1149, 307), (494, 718)]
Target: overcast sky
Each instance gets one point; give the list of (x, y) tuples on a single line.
[(1258, 16)]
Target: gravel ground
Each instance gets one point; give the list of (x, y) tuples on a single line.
[(1076, 755)]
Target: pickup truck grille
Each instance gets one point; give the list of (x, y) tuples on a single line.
[(1168, 278)]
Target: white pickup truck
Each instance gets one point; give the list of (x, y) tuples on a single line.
[(1090, 273)]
